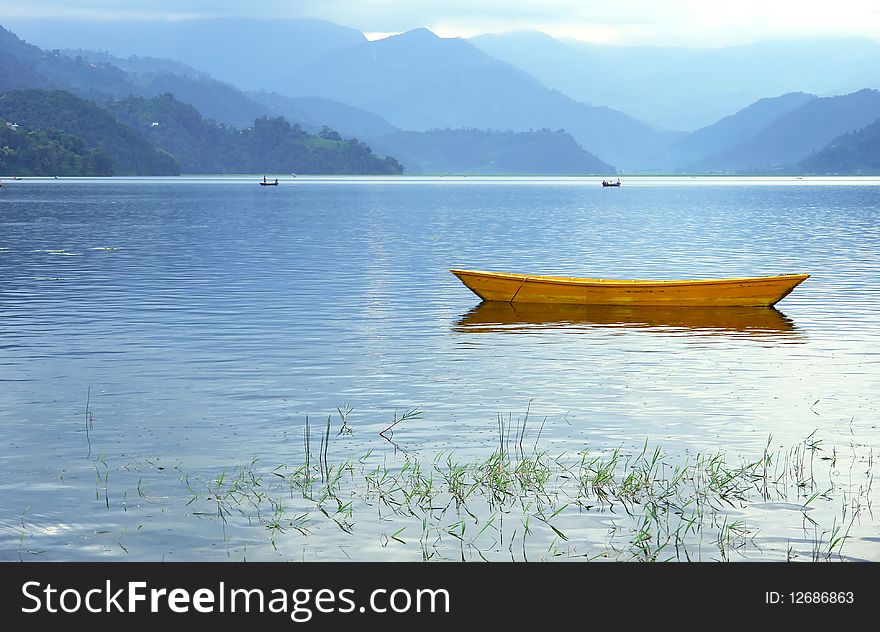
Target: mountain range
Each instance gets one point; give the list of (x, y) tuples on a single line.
[(419, 81), (267, 145), (855, 152), (729, 130), (253, 54), (472, 152), (795, 134), (449, 105), (688, 88), (105, 78), (771, 135), (101, 76), (416, 81)]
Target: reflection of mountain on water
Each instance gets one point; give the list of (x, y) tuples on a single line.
[(738, 321)]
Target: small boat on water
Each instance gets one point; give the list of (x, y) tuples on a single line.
[(521, 288), (609, 183), (266, 183)]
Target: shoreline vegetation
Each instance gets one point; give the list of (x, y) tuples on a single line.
[(521, 501)]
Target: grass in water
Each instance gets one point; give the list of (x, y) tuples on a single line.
[(521, 502)]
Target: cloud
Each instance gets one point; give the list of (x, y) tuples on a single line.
[(105, 11), (623, 21)]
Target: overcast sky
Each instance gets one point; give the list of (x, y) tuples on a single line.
[(659, 22)]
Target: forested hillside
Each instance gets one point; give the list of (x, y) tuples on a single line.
[(271, 144)]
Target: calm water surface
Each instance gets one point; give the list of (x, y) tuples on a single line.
[(202, 319)]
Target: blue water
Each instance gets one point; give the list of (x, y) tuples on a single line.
[(201, 320)]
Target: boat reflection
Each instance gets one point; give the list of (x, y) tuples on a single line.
[(491, 316)]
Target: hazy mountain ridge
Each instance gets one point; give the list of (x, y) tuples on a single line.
[(95, 76), (250, 53), (268, 145), (18, 68), (145, 76), (26, 66), (101, 76), (481, 152), (136, 64), (419, 81), (730, 130), (689, 88), (149, 77), (856, 152), (794, 135), (315, 112)]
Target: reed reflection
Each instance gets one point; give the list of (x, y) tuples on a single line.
[(491, 316)]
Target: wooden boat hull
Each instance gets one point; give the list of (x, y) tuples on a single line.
[(521, 288)]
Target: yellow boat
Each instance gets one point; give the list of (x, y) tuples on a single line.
[(521, 288)]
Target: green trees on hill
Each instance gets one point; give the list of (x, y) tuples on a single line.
[(61, 111), (61, 134), (49, 153), (853, 153), (269, 145)]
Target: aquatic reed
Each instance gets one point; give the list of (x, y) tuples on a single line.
[(649, 505)]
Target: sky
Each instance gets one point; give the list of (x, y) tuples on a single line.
[(622, 22)]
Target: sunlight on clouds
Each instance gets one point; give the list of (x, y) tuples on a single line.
[(671, 22), (676, 22), (377, 35), (749, 20), (595, 33), (598, 33)]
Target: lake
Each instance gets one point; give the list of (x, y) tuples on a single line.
[(165, 344)]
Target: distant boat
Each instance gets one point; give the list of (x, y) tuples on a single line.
[(266, 183), (522, 288), (609, 183)]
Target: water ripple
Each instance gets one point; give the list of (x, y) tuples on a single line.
[(208, 318)]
